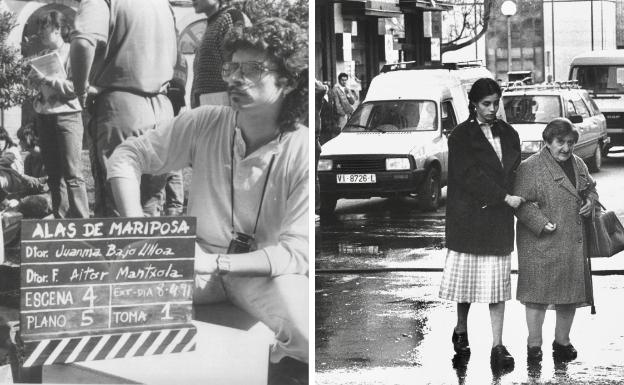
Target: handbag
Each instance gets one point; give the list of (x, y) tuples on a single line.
[(606, 233)]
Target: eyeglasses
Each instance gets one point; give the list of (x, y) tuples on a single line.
[(250, 70)]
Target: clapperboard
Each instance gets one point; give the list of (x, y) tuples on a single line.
[(94, 289)]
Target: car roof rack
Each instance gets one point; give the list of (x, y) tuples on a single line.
[(519, 85), (412, 65)]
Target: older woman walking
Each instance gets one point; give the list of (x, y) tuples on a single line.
[(483, 155), (552, 263)]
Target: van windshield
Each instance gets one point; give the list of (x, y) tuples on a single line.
[(395, 115), (600, 79), (531, 108)]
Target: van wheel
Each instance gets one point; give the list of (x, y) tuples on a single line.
[(429, 192), (328, 205), (595, 162)]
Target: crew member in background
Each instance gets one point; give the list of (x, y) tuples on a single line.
[(129, 67), (208, 86), (59, 124)]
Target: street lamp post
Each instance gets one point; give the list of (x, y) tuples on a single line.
[(508, 8)]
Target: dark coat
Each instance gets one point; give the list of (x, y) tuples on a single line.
[(478, 220), (552, 268)]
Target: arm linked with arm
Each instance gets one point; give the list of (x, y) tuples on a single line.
[(529, 213)]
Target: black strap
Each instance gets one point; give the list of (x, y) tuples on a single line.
[(266, 181)]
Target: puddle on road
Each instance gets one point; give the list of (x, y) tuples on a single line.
[(392, 329), (359, 256), (359, 242)]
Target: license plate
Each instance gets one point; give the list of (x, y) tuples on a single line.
[(356, 178)]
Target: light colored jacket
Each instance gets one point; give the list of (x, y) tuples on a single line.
[(343, 102), (552, 267)]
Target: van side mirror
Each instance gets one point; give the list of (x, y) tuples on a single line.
[(576, 118)]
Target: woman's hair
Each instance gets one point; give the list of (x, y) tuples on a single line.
[(286, 46), (480, 89), (559, 128), (4, 135)]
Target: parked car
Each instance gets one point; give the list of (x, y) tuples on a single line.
[(395, 142), (529, 108), (602, 73)]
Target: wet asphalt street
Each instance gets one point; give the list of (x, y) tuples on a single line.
[(379, 319)]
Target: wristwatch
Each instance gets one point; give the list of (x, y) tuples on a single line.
[(223, 264)]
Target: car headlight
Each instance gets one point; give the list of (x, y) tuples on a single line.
[(325, 165), (531, 146), (397, 164)]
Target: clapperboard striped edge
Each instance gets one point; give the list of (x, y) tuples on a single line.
[(109, 346)]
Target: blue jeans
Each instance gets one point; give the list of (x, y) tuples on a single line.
[(60, 137)]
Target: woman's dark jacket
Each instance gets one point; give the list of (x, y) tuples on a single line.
[(478, 220)]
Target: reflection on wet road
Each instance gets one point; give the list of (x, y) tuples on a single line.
[(393, 329), (391, 238), (379, 319)]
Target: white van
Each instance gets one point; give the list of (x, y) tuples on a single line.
[(602, 73), (395, 142)]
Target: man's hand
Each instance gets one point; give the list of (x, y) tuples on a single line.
[(205, 263), (587, 208), (550, 227), (514, 201)]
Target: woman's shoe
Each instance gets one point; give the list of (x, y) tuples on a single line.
[(563, 352), (500, 357), (534, 354), (460, 342)]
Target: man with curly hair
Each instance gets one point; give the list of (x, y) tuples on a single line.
[(249, 187)]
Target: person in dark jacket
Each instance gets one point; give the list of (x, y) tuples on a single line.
[(483, 155)]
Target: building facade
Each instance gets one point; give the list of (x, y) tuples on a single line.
[(546, 35), (358, 37)]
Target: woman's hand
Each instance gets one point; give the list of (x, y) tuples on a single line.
[(550, 227), (514, 201), (587, 208)]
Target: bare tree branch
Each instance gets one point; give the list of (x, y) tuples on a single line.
[(463, 39)]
